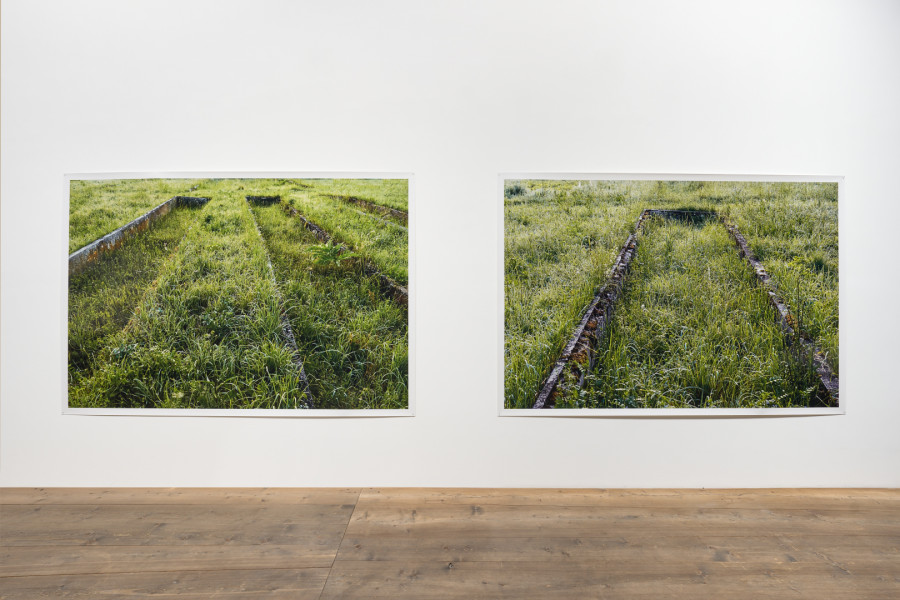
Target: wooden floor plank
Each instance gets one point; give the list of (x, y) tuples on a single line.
[(460, 547), (820, 499), (586, 521), (525, 580), (75, 560), (158, 496), (192, 525), (294, 584), (448, 543)]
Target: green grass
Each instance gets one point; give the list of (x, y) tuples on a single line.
[(103, 296), (561, 237), (382, 243), (693, 329), (188, 313), (209, 333), (558, 248), (99, 207), (353, 337), (393, 193)]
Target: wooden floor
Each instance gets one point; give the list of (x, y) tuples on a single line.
[(448, 543)]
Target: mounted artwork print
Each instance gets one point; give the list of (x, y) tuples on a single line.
[(238, 293), (626, 296)]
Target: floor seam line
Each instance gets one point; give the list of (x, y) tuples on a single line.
[(341, 542)]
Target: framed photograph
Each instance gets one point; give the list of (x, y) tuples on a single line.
[(668, 295), (273, 294)]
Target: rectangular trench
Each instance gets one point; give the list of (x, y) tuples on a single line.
[(102, 299), (88, 254)]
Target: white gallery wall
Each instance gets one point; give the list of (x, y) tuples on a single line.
[(454, 93)]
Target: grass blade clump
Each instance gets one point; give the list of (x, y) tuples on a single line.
[(329, 254)]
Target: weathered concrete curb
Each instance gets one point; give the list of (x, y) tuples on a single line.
[(396, 291), (88, 254), (286, 330), (579, 351), (373, 207)]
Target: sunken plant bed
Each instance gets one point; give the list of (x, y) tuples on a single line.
[(81, 258), (583, 355)]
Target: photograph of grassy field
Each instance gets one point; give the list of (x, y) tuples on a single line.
[(238, 294), (670, 294)]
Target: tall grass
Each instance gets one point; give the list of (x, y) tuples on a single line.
[(98, 207), (558, 247), (561, 237)]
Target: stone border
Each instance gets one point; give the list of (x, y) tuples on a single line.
[(396, 291), (79, 259), (580, 348)]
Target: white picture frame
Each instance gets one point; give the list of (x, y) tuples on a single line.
[(630, 413), (410, 411)]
